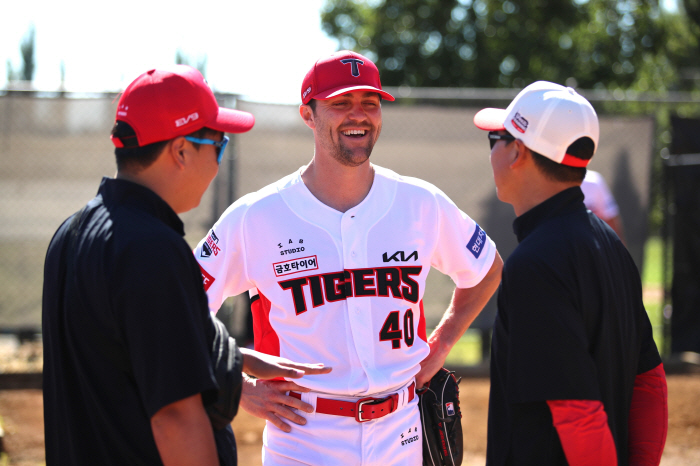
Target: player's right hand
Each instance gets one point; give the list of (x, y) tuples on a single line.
[(268, 399), (265, 366)]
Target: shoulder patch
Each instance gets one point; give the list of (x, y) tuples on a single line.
[(476, 244), (211, 245)]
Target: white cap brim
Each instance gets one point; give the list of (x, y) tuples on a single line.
[(491, 119)]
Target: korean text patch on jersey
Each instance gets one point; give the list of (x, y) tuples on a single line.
[(295, 265), (476, 243)]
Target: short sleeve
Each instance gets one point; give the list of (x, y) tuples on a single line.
[(222, 257), (162, 307), (548, 359), (463, 250)]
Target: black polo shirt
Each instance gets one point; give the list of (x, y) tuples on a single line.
[(125, 328), (570, 325)]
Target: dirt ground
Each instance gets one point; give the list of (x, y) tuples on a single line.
[(21, 412)]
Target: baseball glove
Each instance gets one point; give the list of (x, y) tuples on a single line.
[(442, 420)]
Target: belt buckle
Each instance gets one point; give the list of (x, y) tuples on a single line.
[(358, 408)]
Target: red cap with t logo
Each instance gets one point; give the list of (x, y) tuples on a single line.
[(339, 74)]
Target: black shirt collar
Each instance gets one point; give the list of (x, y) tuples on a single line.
[(569, 200), (123, 192)]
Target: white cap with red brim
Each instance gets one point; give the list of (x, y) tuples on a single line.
[(547, 118)]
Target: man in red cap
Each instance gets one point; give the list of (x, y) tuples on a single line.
[(337, 256), (130, 375), (576, 378)]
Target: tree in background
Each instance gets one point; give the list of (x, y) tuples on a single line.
[(685, 47), (27, 50), (200, 64), (11, 73), (692, 8), (613, 44)]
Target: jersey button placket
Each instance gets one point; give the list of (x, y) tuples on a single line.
[(360, 327)]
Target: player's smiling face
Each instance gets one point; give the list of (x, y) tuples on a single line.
[(348, 126)]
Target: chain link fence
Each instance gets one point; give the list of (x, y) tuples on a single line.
[(55, 149)]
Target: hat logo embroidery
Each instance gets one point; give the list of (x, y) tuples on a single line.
[(354, 62), (183, 121), (306, 92), (519, 122)]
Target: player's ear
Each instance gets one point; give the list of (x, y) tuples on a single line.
[(519, 153), (307, 114), (177, 150)]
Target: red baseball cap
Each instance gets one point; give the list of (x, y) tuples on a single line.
[(342, 72), (164, 104)]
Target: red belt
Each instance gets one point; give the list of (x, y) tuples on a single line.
[(364, 409)]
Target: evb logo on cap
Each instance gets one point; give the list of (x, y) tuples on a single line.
[(188, 119)]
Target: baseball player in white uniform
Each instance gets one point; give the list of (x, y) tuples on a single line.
[(337, 256), (599, 200)]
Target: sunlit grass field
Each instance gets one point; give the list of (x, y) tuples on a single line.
[(467, 352)]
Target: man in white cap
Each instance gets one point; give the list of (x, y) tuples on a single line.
[(575, 375), (338, 254)]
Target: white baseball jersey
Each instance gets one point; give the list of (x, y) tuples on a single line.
[(343, 288), (597, 196)]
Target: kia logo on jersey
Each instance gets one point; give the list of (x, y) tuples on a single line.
[(354, 62), (399, 256)]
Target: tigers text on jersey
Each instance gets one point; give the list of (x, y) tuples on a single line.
[(344, 289)]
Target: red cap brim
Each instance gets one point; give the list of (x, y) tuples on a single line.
[(329, 94), (232, 121), (490, 119)]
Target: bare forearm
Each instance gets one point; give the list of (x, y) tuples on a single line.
[(184, 435)]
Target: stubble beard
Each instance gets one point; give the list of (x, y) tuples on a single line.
[(353, 157)]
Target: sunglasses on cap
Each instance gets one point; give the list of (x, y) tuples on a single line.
[(220, 145), (495, 137)]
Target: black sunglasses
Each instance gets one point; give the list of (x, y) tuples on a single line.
[(495, 137)]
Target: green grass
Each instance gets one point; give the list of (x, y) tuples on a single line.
[(652, 283), (467, 351), (652, 275)]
